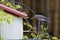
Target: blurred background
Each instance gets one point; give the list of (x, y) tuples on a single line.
[(48, 8)]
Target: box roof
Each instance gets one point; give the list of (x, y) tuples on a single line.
[(13, 11)]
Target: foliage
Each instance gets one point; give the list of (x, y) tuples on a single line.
[(43, 35), (1, 38), (11, 4), (54, 38), (34, 35), (25, 37), (5, 17), (16, 6), (28, 25)]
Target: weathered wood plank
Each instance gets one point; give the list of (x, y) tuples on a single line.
[(56, 18)]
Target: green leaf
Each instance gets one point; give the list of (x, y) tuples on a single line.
[(18, 6), (8, 21), (42, 35), (28, 25), (33, 35), (10, 17), (12, 7), (2, 0), (0, 19), (54, 38), (4, 17), (8, 3), (2, 13), (45, 29), (25, 37), (1, 38)]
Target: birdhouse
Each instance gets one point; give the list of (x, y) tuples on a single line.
[(13, 30)]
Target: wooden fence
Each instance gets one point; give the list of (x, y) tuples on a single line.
[(49, 8)]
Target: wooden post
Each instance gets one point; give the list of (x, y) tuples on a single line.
[(56, 18), (48, 13), (34, 5)]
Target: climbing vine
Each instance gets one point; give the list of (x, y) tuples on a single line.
[(4, 16)]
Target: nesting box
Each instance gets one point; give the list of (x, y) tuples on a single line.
[(14, 30)]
